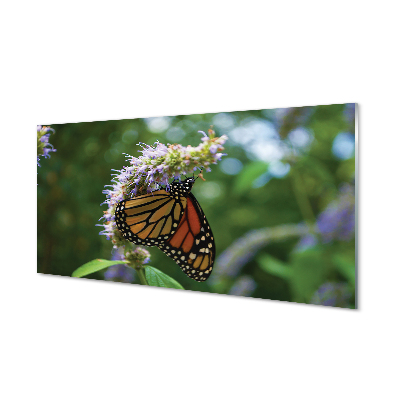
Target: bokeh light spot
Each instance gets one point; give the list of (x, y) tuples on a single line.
[(343, 146), (269, 151), (129, 137), (210, 190), (175, 134), (278, 169), (231, 166), (158, 124), (224, 121), (259, 138), (261, 180), (300, 137)]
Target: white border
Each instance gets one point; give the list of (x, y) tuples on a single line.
[(83, 61)]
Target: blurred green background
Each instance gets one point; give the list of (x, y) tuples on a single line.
[(281, 203)]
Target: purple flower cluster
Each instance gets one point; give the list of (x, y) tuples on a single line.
[(137, 257), (119, 273), (349, 113), (306, 242), (43, 145), (337, 221), (243, 286), (124, 272), (332, 294), (160, 163), (154, 168)]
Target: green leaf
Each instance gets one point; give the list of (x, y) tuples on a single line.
[(310, 269), (346, 267), (157, 278), (249, 174), (94, 266), (274, 266)]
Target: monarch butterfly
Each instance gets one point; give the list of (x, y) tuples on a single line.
[(175, 223)]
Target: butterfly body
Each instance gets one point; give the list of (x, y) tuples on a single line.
[(174, 222)]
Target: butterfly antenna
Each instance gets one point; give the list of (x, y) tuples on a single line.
[(200, 175)]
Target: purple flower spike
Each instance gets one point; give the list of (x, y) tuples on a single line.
[(44, 148), (333, 295), (337, 221)]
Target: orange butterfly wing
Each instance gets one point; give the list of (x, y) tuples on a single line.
[(192, 246), (150, 219)]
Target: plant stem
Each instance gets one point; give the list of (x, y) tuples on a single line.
[(142, 276), (302, 199)]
